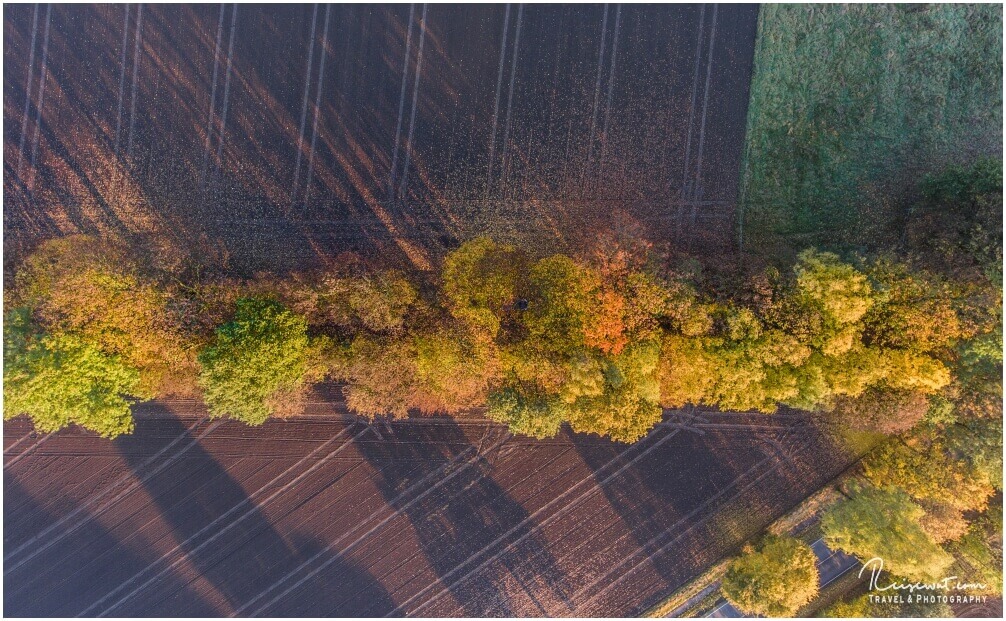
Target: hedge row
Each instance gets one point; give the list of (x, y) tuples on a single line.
[(602, 345)]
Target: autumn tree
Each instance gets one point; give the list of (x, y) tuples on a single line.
[(881, 410), (377, 302), (927, 467), (560, 305), (913, 309), (482, 281), (942, 521), (590, 353), (688, 371), (259, 363), (455, 369), (980, 443), (97, 293), (884, 523), (773, 581), (381, 376)]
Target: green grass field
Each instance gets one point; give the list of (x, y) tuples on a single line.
[(852, 104)]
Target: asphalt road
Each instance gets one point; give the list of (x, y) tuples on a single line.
[(320, 516)]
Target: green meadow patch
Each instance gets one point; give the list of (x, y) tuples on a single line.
[(851, 105)]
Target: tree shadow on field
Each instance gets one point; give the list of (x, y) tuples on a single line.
[(478, 540), (700, 494), (69, 577), (662, 494), (228, 539)]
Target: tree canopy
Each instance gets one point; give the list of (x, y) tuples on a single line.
[(98, 293), (601, 341), (58, 380), (773, 581), (884, 523), (257, 363)]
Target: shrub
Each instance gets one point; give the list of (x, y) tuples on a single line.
[(774, 581), (861, 606), (857, 607)]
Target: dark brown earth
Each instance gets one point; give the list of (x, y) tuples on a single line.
[(542, 125), (320, 516), (231, 134)]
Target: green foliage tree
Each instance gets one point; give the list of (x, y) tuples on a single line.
[(527, 413), (976, 391), (958, 225), (258, 363), (560, 304), (58, 380), (774, 581), (884, 523)]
